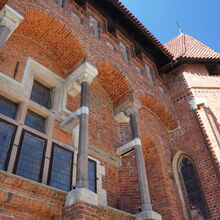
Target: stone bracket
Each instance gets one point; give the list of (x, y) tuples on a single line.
[(148, 214), (10, 18), (81, 195), (121, 112), (129, 146), (195, 103), (72, 85), (67, 124), (121, 117)]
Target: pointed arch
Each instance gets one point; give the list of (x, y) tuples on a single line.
[(114, 82), (167, 118), (188, 183), (159, 179), (53, 37)]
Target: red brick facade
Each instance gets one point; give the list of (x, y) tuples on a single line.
[(168, 125)]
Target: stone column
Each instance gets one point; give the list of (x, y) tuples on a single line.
[(141, 170), (9, 21), (82, 159), (78, 81), (123, 114)]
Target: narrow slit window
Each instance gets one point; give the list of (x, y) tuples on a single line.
[(35, 121), (31, 157), (124, 51), (41, 94), (6, 138), (92, 175), (150, 73), (61, 168), (8, 107), (95, 25)]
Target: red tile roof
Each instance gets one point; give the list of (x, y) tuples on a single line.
[(185, 46)]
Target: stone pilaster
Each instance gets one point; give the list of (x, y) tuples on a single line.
[(9, 21)]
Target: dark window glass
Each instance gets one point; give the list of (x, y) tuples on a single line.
[(31, 156), (6, 136), (8, 108), (41, 94), (61, 168), (92, 175), (193, 189), (35, 121)]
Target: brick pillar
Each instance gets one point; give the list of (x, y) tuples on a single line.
[(142, 174), (9, 21)]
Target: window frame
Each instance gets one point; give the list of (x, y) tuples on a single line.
[(189, 208), (19, 153), (40, 116), (93, 19), (51, 164), (126, 56), (13, 102), (95, 174), (11, 143), (50, 104)]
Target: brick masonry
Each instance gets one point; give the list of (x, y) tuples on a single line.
[(167, 124)]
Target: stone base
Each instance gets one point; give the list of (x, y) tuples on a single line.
[(81, 195), (148, 215)]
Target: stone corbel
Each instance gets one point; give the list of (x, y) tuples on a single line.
[(149, 214), (72, 85), (197, 102), (129, 146), (121, 113), (85, 73), (10, 19)]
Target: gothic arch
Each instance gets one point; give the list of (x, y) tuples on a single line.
[(180, 159), (166, 117), (51, 35), (114, 82), (159, 179)]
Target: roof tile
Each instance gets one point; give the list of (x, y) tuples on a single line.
[(185, 46)]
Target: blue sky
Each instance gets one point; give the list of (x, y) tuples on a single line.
[(198, 18)]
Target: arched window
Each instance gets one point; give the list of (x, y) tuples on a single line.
[(198, 208)]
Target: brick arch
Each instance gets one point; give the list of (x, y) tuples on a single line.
[(160, 185), (159, 110), (58, 42), (114, 82)]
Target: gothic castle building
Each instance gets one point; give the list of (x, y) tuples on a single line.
[(100, 121)]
